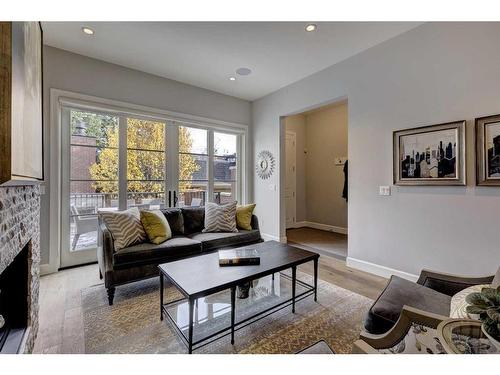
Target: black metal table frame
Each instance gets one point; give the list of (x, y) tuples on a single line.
[(188, 341)]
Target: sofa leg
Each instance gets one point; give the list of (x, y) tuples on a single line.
[(111, 295)]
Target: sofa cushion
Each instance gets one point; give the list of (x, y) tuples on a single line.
[(211, 241), (220, 217), (244, 216), (147, 253), (156, 226), (399, 292), (125, 226), (194, 219), (175, 220)]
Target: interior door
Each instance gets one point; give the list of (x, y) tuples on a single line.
[(290, 179)]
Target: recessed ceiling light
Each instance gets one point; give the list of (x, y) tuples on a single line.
[(243, 71), (87, 30), (232, 78), (311, 27)]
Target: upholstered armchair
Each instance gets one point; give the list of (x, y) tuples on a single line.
[(431, 293)]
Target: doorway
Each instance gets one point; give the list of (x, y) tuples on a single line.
[(315, 192)]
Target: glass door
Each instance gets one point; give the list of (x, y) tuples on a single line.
[(90, 180), (114, 161)]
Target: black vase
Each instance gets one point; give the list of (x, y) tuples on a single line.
[(243, 290)]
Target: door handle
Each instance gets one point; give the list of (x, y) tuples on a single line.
[(175, 198), (169, 198)]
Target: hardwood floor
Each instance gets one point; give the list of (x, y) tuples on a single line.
[(61, 318), (324, 242)]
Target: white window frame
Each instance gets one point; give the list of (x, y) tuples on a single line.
[(60, 99)]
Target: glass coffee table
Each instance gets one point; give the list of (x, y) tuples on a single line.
[(209, 310)]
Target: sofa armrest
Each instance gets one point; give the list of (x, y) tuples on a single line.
[(254, 222), (449, 284), (105, 251)]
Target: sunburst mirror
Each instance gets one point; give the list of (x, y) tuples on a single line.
[(265, 164)]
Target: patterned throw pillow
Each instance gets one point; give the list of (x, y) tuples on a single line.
[(459, 305), (220, 218), (125, 226)]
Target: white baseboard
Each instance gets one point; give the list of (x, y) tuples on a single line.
[(47, 268), (311, 224), (270, 237), (378, 269)]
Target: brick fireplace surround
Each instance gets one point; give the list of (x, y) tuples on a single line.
[(19, 224)]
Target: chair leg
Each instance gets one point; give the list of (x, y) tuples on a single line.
[(100, 274), (75, 241), (111, 295)]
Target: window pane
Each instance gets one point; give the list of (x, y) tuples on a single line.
[(145, 135), (93, 163), (225, 168), (145, 165), (96, 129), (192, 193), (145, 194), (193, 140), (193, 167), (225, 192), (224, 144)]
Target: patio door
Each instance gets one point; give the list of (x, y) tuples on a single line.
[(113, 161)]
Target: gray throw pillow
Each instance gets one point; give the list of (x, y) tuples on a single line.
[(220, 218), (125, 226)]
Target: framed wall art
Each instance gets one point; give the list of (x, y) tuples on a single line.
[(430, 155), (488, 150)]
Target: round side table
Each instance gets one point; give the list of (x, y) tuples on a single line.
[(464, 336)]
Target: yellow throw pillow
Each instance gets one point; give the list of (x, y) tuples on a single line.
[(156, 226), (244, 216)]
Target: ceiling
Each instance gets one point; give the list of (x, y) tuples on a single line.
[(206, 54)]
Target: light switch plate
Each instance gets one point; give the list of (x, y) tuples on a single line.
[(384, 190)]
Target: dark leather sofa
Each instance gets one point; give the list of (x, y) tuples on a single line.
[(140, 261), (431, 293)]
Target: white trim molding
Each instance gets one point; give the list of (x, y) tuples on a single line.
[(326, 227), (270, 237), (379, 270)]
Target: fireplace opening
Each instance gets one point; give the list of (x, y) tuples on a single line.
[(14, 302)]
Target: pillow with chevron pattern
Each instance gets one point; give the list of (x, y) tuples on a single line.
[(220, 218), (125, 226)]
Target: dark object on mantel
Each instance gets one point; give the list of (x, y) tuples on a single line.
[(432, 293), (140, 261)]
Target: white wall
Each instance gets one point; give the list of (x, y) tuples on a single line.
[(68, 71), (435, 73), (297, 125)]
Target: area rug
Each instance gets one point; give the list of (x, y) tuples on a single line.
[(132, 324)]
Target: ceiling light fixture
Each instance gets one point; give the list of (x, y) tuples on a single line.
[(232, 78), (311, 27), (87, 30), (243, 71)]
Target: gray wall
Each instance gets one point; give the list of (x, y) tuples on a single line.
[(68, 71), (435, 73)]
